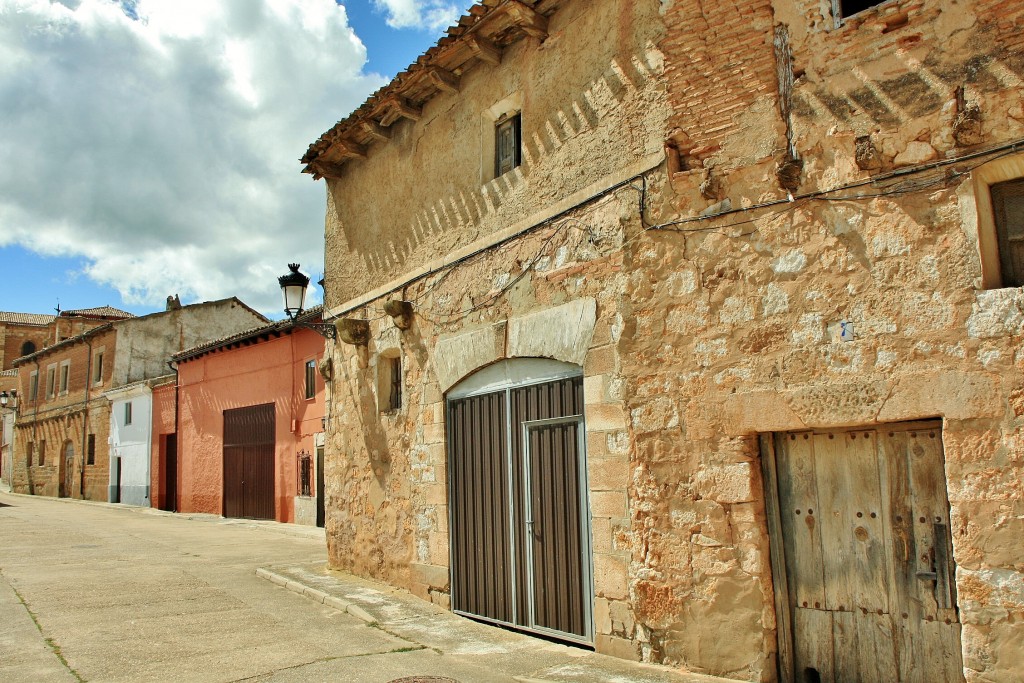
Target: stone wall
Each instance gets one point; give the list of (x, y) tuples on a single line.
[(815, 174)]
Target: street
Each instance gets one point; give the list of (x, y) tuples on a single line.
[(98, 592)]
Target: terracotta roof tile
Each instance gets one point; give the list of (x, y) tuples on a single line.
[(99, 312), (26, 318)]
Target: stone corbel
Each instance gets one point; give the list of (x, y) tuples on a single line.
[(400, 312), (353, 331), (326, 368)]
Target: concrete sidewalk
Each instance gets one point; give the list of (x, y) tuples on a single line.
[(507, 655)]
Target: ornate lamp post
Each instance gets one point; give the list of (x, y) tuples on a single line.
[(293, 287)]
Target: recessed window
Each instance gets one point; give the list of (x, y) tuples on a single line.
[(29, 452), (51, 381), (27, 348), (97, 368), (311, 378), (42, 452), (1008, 211), (389, 381), (33, 386), (128, 413), (65, 376), (90, 450), (847, 8), (507, 144)]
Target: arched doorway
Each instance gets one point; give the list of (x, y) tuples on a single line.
[(68, 464), (27, 348), (518, 505)]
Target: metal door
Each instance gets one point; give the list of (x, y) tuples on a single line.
[(249, 490), (554, 519), (519, 516), (171, 473), (321, 516), (862, 519)]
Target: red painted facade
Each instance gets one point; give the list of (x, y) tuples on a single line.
[(267, 366)]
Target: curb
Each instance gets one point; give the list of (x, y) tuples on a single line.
[(318, 596)]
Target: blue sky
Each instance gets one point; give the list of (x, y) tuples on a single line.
[(152, 146)]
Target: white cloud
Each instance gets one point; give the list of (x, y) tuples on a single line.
[(160, 139), (422, 14)]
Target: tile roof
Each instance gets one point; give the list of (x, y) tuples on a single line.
[(309, 315), (26, 318), (99, 312), (479, 36)]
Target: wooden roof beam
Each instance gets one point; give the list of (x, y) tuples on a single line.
[(348, 149), (443, 79), (397, 107), (532, 22), (484, 50), (324, 169), (376, 131)]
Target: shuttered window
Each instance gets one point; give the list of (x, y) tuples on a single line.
[(507, 141), (1008, 207)]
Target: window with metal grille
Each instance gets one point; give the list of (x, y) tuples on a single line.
[(90, 450), (507, 144), (311, 378), (305, 474), (1008, 208)]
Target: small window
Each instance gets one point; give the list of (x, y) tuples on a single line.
[(507, 144), (51, 382), (33, 386), (1008, 210), (97, 368), (90, 450), (128, 413), (847, 8), (29, 452), (395, 367), (311, 378), (27, 348), (65, 376), (42, 452)]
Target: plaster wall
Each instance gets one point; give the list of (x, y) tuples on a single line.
[(131, 444), (716, 322), (164, 414), (270, 371), (582, 120)]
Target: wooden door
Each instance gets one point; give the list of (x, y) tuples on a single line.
[(862, 520), (170, 473), (69, 471), (249, 481)]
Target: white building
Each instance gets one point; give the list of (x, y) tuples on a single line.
[(131, 437)]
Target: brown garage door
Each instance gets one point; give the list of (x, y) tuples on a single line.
[(249, 462), (862, 555), (519, 515)]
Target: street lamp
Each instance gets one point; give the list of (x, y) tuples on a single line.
[(293, 287), (3, 399)]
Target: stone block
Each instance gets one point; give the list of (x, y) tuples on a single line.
[(608, 474), (608, 504), (457, 356), (602, 617), (430, 575), (617, 647), (561, 332), (600, 361), (611, 578), (726, 483), (435, 494), (605, 416), (594, 389)]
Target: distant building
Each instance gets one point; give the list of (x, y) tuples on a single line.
[(131, 440), (63, 417), (250, 426)]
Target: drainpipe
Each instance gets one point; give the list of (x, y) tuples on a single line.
[(85, 416)]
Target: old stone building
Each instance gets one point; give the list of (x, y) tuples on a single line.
[(62, 431), (690, 330)]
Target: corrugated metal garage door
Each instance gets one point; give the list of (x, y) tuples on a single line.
[(249, 462), (519, 516)]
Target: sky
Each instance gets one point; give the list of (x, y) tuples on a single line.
[(150, 147)]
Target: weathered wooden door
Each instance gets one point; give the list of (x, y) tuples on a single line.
[(171, 473), (69, 471), (865, 579), (249, 480)]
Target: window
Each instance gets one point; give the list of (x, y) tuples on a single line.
[(42, 452), (847, 8), (90, 450), (33, 386), (65, 376), (29, 453), (128, 413), (305, 474), (97, 367), (51, 381), (507, 144), (395, 369), (27, 348), (1008, 211), (311, 378)]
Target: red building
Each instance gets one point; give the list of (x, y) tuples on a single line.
[(249, 427)]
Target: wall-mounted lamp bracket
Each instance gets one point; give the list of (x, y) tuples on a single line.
[(400, 312)]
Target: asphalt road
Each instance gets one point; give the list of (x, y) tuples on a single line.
[(98, 592)]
